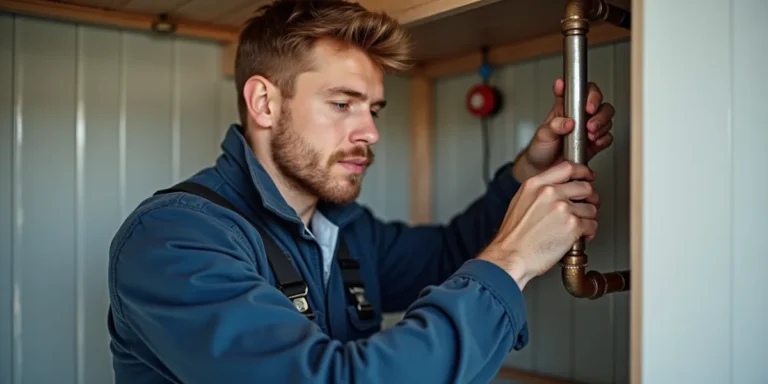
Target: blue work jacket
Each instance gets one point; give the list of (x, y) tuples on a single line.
[(193, 299)]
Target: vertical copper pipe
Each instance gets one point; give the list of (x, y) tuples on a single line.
[(575, 27)]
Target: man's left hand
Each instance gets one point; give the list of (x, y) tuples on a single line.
[(546, 148)]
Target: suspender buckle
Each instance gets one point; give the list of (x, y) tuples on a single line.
[(353, 283), (364, 308), (298, 296)]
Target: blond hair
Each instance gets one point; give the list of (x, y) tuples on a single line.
[(276, 42)]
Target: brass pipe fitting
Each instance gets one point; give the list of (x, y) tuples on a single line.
[(590, 285), (575, 27), (580, 13)]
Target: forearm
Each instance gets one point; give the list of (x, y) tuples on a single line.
[(252, 337)]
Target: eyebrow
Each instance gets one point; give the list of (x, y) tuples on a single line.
[(355, 94)]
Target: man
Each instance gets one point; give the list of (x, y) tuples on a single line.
[(284, 278)]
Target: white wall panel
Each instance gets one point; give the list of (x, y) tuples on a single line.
[(704, 300), (92, 121)]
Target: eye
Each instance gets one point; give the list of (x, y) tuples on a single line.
[(340, 106), (375, 114)]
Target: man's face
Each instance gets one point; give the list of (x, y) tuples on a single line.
[(321, 143)]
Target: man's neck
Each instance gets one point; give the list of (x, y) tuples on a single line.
[(303, 203)]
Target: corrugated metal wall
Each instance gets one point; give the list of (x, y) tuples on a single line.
[(573, 338), (78, 104), (92, 120)]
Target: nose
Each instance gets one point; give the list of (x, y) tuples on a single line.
[(365, 133)]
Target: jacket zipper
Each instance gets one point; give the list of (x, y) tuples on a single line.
[(328, 290)]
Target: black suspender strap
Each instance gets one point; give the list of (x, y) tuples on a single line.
[(353, 282), (288, 280)]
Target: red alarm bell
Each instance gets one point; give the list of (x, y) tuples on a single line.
[(483, 100)]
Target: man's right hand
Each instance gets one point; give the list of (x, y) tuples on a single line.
[(550, 212)]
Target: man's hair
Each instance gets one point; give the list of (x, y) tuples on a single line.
[(277, 41)]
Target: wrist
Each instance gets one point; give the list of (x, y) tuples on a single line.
[(518, 272), (510, 262)]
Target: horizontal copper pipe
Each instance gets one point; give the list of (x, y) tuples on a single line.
[(616, 16), (575, 27)]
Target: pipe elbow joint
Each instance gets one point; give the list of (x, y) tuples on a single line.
[(593, 285), (578, 283), (588, 10)]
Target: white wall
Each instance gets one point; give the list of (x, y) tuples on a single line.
[(702, 186), (93, 120), (572, 338)]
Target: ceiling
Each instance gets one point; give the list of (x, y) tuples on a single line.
[(220, 12), (488, 22), (499, 23)]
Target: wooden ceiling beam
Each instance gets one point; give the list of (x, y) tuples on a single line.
[(412, 12), (506, 54), (127, 20)]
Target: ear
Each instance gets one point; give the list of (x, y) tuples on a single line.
[(263, 101)]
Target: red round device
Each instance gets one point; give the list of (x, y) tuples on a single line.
[(483, 100)]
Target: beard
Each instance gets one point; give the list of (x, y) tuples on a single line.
[(302, 167)]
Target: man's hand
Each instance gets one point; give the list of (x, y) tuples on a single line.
[(546, 216), (546, 148)]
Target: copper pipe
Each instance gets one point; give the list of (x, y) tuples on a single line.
[(575, 27)]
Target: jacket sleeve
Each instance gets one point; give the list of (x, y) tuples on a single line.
[(414, 257), (196, 304)]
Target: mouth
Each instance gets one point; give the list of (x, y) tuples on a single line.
[(355, 165)]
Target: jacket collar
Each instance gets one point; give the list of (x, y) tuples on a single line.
[(240, 167)]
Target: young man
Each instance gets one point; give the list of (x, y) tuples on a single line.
[(283, 279)]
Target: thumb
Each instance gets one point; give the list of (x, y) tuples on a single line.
[(554, 129)]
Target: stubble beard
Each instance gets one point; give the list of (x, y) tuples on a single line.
[(301, 166)]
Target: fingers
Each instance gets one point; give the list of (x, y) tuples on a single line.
[(600, 130), (584, 211), (578, 191), (597, 126), (556, 128), (602, 117), (604, 141), (588, 228), (582, 219), (562, 173), (600, 144), (594, 98)]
